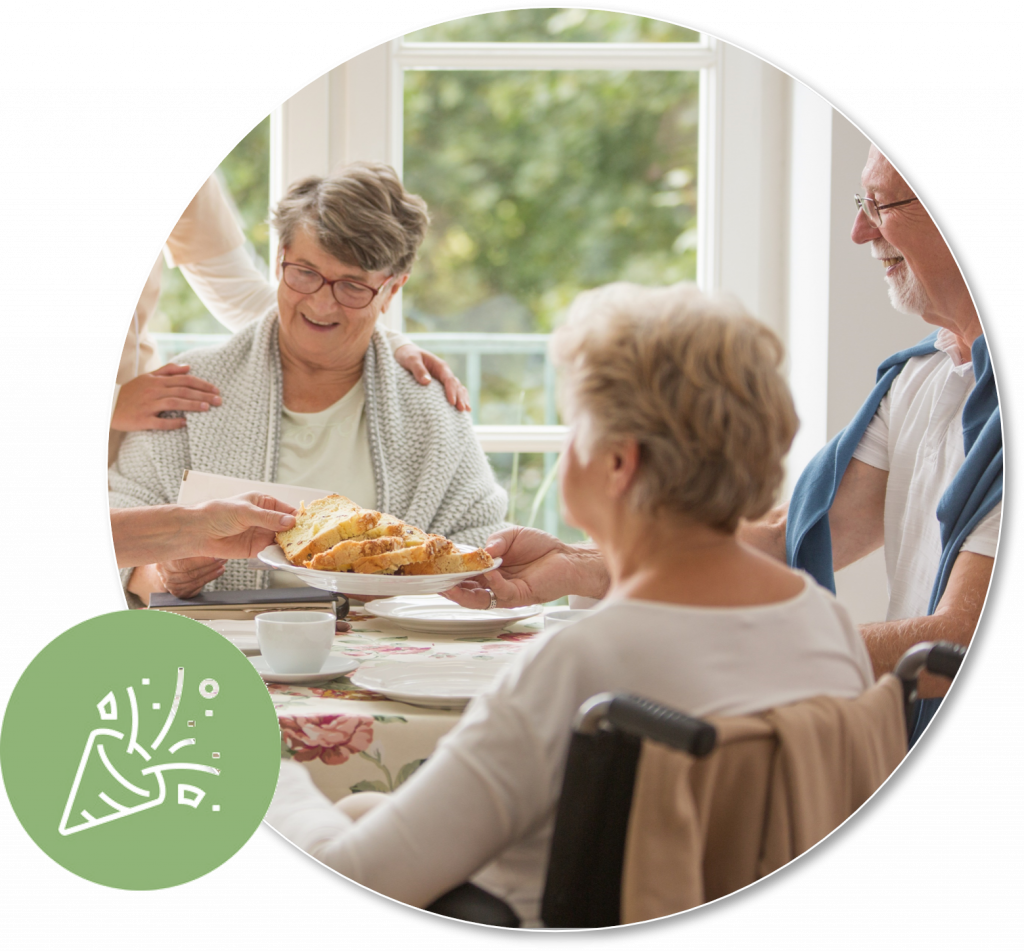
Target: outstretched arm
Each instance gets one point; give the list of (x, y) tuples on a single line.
[(226, 528), (856, 519), (954, 620), (536, 567)]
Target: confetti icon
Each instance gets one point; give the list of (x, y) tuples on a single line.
[(140, 749)]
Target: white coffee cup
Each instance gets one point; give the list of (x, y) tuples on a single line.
[(295, 642)]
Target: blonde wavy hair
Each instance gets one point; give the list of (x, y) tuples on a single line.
[(696, 381)]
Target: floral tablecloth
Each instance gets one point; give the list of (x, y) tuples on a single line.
[(353, 740)]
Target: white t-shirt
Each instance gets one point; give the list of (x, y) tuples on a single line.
[(329, 450), (917, 436), (484, 804)]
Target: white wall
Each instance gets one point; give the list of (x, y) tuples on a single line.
[(753, 219), (808, 271)]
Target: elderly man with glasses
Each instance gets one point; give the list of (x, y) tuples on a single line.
[(919, 470)]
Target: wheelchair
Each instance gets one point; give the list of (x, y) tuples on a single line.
[(584, 876)]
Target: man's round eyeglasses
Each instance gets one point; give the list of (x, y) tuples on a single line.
[(873, 211), (346, 292)]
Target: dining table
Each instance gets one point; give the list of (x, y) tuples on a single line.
[(352, 739)]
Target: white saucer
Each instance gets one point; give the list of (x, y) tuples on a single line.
[(333, 667), (432, 614), (445, 684)]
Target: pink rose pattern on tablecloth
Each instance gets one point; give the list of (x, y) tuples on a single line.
[(331, 739)]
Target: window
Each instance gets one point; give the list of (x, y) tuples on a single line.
[(557, 150)]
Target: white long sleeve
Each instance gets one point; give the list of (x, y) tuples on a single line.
[(231, 288), (430, 836)]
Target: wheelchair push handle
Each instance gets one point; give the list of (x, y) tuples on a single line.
[(646, 719), (939, 657), (945, 659)]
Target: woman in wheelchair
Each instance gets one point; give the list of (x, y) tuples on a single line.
[(680, 421)]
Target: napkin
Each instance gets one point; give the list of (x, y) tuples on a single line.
[(197, 487)]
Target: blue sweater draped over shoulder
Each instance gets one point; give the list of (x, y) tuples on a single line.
[(973, 493)]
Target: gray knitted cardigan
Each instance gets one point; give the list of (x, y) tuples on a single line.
[(429, 468)]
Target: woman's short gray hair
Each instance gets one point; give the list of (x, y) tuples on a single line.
[(360, 215), (695, 380)]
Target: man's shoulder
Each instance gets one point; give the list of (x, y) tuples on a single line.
[(912, 383)]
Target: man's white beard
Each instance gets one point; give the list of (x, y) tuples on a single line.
[(906, 292)]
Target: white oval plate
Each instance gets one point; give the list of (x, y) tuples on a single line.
[(432, 614), (333, 667), (445, 684), (348, 582)]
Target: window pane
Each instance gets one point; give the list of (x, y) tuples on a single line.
[(554, 26), (245, 174), (542, 184), (524, 480)]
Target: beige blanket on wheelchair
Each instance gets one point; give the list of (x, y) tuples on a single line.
[(776, 784)]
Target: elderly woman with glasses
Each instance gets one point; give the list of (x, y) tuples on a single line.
[(680, 422), (311, 394)]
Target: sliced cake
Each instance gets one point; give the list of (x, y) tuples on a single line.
[(345, 554), (389, 562), (451, 562), (320, 525)]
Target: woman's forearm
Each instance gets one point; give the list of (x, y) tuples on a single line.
[(151, 534)]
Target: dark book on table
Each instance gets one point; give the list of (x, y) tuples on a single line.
[(246, 604)]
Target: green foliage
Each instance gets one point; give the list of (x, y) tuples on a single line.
[(531, 480), (246, 173), (544, 183), (554, 25), (178, 310)]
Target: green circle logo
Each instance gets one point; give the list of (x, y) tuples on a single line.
[(140, 750)]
